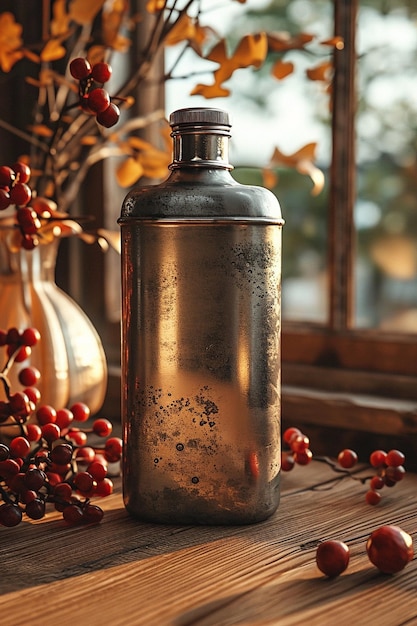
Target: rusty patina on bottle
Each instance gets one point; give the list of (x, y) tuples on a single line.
[(201, 274)]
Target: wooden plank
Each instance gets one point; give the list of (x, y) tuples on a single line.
[(126, 572)]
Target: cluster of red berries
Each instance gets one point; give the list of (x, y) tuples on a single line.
[(50, 460), (93, 98), (298, 449), (15, 190), (389, 548), (389, 465)]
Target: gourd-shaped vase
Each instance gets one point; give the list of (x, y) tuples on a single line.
[(70, 354)]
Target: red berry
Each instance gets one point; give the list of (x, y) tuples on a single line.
[(98, 100), (289, 433), (102, 427), (101, 72), (83, 481), (77, 436), (51, 432), (113, 449), (64, 417), (7, 176), (395, 458), (299, 443), (304, 457), (33, 432), (73, 514), (35, 509), (61, 454), (80, 68), (22, 170), (85, 455), (390, 548), (19, 447), (377, 458), (104, 487), (20, 194), (347, 458), (394, 473), (93, 514), (80, 411), (30, 337), (377, 482), (97, 470), (10, 514), (110, 116), (29, 376), (28, 220), (33, 394), (373, 497), (46, 415), (332, 557)]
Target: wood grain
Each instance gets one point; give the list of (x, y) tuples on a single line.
[(124, 572)]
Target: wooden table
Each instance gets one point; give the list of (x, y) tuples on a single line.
[(123, 572)]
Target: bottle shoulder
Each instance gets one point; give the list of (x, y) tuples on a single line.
[(216, 197)]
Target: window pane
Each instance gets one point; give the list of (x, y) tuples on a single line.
[(386, 205), (286, 114)]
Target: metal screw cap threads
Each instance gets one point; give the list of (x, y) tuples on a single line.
[(200, 137)]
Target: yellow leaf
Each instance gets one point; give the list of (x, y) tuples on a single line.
[(320, 72), (282, 69), (129, 172), (10, 41), (53, 50), (283, 41), (83, 12)]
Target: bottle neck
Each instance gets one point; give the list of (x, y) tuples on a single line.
[(201, 148)]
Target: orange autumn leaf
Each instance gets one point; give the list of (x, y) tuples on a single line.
[(251, 51), (282, 69), (303, 161), (41, 130), (137, 143), (60, 18), (283, 41), (155, 163), (128, 172), (83, 12), (10, 41), (53, 50), (186, 29), (320, 72)]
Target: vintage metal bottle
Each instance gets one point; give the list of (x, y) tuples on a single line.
[(201, 268)]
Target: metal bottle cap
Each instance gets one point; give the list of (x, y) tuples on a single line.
[(196, 116)]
